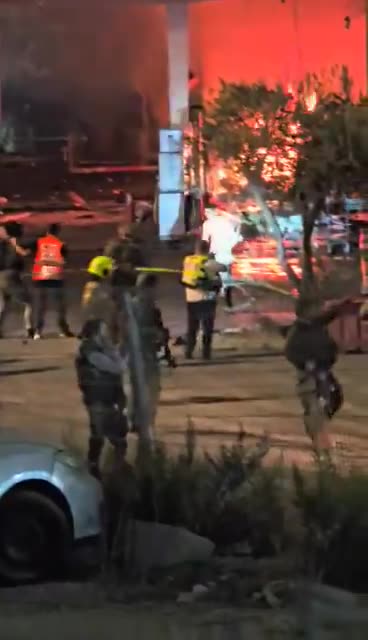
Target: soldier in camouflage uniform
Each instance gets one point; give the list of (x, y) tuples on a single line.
[(96, 302), (125, 251), (99, 368)]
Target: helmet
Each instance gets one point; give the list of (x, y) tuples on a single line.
[(100, 266)]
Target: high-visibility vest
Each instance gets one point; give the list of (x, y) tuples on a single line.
[(49, 262), (193, 270)]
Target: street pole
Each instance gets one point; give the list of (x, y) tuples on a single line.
[(171, 166)]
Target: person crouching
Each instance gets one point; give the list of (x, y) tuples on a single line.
[(99, 368)]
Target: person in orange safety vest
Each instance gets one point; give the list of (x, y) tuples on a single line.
[(48, 280)]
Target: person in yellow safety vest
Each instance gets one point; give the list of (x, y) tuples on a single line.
[(202, 282), (96, 302)]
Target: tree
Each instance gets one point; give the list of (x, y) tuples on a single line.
[(255, 129), (317, 137), (336, 152), (325, 138)]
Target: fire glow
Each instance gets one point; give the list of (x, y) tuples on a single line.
[(257, 260)]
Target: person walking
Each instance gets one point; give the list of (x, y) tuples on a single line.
[(202, 281), (99, 367), (48, 280), (12, 285)]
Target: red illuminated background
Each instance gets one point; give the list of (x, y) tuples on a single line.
[(250, 40)]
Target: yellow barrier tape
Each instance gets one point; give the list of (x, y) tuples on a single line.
[(156, 270), (251, 283), (245, 283)]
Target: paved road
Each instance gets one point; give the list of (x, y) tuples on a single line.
[(241, 388), (84, 242)]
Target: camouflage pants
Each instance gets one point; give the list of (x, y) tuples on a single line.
[(314, 414), (321, 397)]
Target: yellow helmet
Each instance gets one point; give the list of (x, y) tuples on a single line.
[(100, 266)]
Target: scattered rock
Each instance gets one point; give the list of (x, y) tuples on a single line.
[(154, 545), (270, 598), (200, 590), (185, 598)]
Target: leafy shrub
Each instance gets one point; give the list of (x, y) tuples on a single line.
[(227, 497), (334, 513), (321, 514)]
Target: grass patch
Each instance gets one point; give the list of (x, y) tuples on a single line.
[(320, 515)]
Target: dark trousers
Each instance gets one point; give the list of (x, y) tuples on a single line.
[(106, 421), (14, 289), (229, 297), (200, 315), (43, 295)]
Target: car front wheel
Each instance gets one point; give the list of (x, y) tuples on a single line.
[(35, 537)]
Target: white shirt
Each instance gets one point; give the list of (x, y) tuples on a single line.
[(222, 233)]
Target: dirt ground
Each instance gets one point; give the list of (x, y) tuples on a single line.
[(153, 621), (81, 612)]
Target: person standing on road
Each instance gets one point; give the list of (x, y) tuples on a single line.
[(12, 284), (96, 301), (221, 230), (202, 281), (143, 232), (99, 368), (125, 251), (48, 280)]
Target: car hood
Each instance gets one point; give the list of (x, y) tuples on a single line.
[(21, 461), (13, 446), (17, 438)]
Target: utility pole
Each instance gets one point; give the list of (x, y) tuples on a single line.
[(171, 166)]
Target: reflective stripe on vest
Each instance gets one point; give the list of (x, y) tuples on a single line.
[(49, 263), (193, 270)]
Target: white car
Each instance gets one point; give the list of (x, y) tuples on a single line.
[(49, 506)]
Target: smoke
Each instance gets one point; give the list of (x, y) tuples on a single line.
[(94, 57), (354, 8)]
